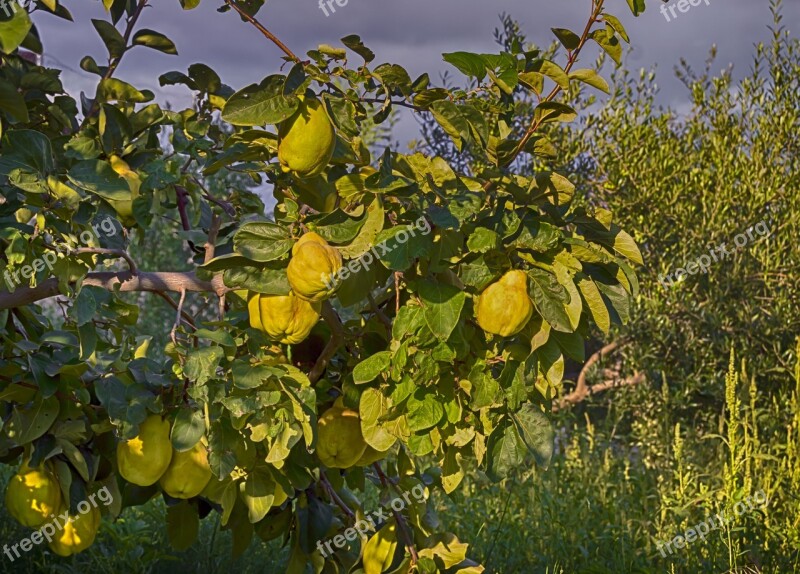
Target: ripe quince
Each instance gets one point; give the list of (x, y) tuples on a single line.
[(339, 440), (77, 534), (188, 473), (306, 140), (284, 318), (504, 307), (313, 268), (32, 495), (143, 459)]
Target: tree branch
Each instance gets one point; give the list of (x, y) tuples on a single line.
[(336, 341), (122, 281)]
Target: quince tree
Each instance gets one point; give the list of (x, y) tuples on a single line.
[(438, 302)]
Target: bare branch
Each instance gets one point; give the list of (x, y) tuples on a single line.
[(122, 281), (272, 37)]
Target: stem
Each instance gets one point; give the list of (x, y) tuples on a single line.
[(113, 63), (336, 341), (573, 57), (272, 37)]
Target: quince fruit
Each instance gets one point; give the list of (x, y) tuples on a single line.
[(306, 140), (143, 459), (313, 268), (339, 440), (32, 495), (284, 318), (188, 473), (504, 307), (124, 207), (77, 534)]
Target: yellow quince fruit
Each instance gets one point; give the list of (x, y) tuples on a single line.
[(77, 534), (313, 268), (504, 307), (284, 318), (306, 140), (32, 495), (188, 473), (339, 440), (143, 459)]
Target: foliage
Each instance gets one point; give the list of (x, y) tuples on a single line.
[(401, 346)]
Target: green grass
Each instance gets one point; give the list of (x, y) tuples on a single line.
[(601, 507)]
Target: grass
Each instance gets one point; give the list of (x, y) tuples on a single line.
[(603, 505)]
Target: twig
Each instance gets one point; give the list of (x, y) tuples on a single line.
[(402, 525), (334, 496), (272, 37), (573, 57), (336, 341), (211, 244), (186, 317), (380, 314), (397, 275), (113, 63), (178, 318)]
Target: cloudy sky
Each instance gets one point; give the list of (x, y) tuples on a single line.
[(413, 33)]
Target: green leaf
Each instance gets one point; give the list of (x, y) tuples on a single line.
[(397, 254), (262, 241), (98, 177), (591, 78), (12, 102), (260, 279), (258, 494), (569, 39), (14, 30), (33, 421), (424, 410), (549, 296), (115, 43), (28, 151), (536, 432), (614, 22), (594, 300), (154, 40), (201, 364), (506, 451), (183, 525), (606, 39), (260, 104), (442, 307), (483, 240), (636, 6), (188, 429), (372, 408), (354, 43), (114, 90), (368, 369), (247, 376), (471, 65)]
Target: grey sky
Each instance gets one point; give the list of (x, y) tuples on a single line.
[(413, 33)]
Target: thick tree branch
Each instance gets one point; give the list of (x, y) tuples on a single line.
[(124, 281)]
